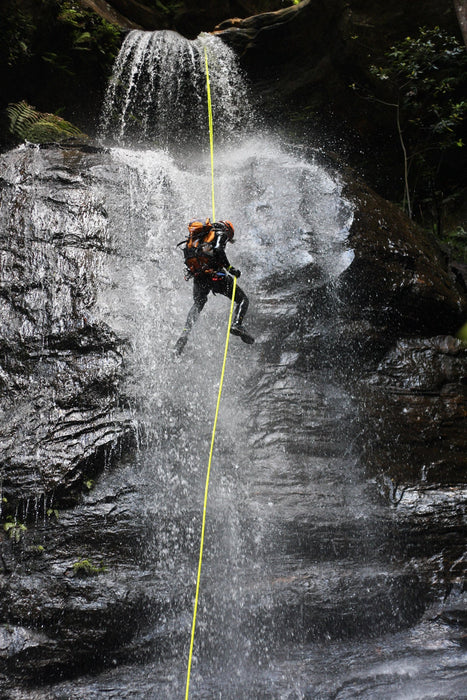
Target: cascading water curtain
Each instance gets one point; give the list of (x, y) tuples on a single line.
[(157, 93)]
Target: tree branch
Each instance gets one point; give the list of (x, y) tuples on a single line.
[(461, 11), (406, 171)]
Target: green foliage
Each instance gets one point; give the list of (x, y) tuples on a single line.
[(17, 29), (14, 529), (425, 80), (456, 241), (22, 117), (86, 32), (27, 124), (56, 54), (83, 39), (462, 333), (85, 568), (52, 129), (428, 73)]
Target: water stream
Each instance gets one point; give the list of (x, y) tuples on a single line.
[(300, 597), (157, 93)]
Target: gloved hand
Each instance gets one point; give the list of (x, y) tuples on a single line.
[(234, 272)]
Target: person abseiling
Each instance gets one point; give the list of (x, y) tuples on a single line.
[(206, 262)]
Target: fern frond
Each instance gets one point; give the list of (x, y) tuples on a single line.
[(27, 124), (22, 117)]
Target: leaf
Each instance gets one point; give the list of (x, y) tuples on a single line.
[(27, 124), (83, 38)]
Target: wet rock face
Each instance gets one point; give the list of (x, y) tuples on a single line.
[(400, 281), (415, 413), (70, 585), (398, 284), (72, 588), (77, 584), (60, 370), (264, 43), (401, 305)]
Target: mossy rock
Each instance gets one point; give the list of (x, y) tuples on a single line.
[(46, 130), (85, 568), (27, 124)]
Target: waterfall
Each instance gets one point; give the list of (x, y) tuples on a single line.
[(291, 223), (157, 93), (288, 211), (300, 590)]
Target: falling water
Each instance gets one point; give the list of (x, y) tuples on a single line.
[(295, 581), (157, 91)]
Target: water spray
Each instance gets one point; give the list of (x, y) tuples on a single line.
[(219, 394)]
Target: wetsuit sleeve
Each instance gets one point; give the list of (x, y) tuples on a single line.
[(219, 251)]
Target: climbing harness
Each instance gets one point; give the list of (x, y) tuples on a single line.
[(219, 394)]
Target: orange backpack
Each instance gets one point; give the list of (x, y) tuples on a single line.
[(199, 249)]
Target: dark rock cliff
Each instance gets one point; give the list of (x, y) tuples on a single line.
[(417, 434), (309, 54), (60, 369), (76, 592), (62, 422), (406, 304)]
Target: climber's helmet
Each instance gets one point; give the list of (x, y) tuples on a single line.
[(229, 229)]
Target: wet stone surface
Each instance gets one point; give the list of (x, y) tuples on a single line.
[(424, 384), (60, 369), (338, 508)]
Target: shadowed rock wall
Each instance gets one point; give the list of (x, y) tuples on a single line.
[(308, 55), (402, 305), (75, 590)]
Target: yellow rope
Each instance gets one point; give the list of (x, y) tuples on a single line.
[(195, 609), (211, 132), (206, 488)]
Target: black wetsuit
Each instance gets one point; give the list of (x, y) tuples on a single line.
[(217, 282)]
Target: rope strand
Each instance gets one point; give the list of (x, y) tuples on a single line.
[(206, 488), (211, 132)]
